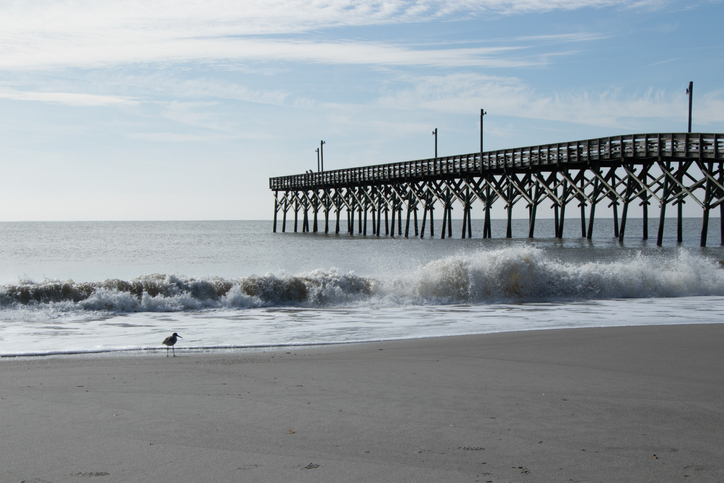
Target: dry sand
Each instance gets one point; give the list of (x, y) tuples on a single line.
[(631, 404)]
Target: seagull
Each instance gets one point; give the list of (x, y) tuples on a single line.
[(170, 341)]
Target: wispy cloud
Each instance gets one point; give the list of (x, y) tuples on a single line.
[(227, 49), (509, 96), (172, 137), (204, 87), (562, 38), (199, 115), (53, 33), (254, 17), (69, 98)]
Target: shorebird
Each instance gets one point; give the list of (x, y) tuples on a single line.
[(170, 341)]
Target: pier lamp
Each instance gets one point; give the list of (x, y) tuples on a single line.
[(482, 113), (318, 165), (434, 133), (321, 154), (690, 91)]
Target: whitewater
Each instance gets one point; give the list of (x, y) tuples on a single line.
[(119, 288)]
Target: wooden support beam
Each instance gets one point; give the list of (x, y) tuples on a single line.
[(424, 220), (710, 191), (646, 219), (379, 219), (276, 210), (627, 200), (509, 228), (615, 219), (374, 220), (662, 218), (582, 200), (721, 205), (392, 234), (327, 206), (588, 171), (556, 216), (350, 221), (664, 200), (470, 223), (591, 217), (448, 206), (364, 227), (679, 221), (284, 221), (466, 212), (387, 221), (314, 203), (399, 218), (305, 220), (704, 227), (432, 221), (486, 225), (680, 209), (564, 199), (296, 213), (407, 221), (414, 216), (532, 211)]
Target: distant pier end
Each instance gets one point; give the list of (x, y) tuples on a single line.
[(668, 169)]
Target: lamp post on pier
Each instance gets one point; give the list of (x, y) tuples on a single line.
[(434, 133), (482, 113), (321, 154), (690, 91), (318, 164)]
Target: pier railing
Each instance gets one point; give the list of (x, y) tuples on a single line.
[(631, 147)]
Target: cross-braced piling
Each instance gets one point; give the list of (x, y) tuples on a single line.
[(669, 169)]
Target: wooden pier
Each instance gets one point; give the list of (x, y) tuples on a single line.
[(668, 169)]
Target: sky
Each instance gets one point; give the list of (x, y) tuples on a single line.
[(183, 109)]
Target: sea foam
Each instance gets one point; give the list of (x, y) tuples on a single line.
[(516, 274), (526, 274)]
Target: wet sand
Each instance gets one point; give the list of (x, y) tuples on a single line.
[(596, 405)]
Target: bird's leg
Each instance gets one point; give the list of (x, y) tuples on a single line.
[(174, 350)]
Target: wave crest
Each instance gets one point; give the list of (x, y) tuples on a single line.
[(519, 274), (526, 274), (160, 292)]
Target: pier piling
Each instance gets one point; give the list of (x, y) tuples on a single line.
[(665, 168)]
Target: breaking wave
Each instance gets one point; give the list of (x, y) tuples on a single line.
[(519, 274)]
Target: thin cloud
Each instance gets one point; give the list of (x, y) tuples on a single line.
[(38, 35), (69, 98), (171, 137), (509, 96), (562, 38), (203, 87), (254, 17), (667, 61), (226, 49)]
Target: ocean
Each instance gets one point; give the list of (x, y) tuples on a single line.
[(120, 288)]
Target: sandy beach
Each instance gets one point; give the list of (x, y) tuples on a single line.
[(597, 405)]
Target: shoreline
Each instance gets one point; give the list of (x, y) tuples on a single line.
[(638, 403), (151, 351)]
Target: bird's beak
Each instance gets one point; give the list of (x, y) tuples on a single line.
[(179, 336)]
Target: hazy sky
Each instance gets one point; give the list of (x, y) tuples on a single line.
[(161, 109)]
